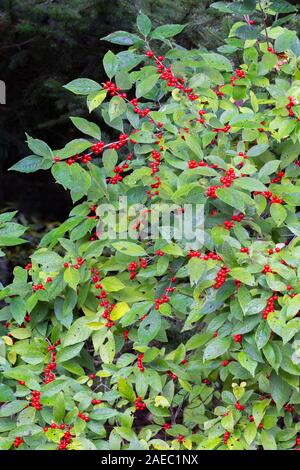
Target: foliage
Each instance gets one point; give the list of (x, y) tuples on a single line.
[(146, 344)]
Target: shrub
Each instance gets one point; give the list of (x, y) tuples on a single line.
[(152, 343)]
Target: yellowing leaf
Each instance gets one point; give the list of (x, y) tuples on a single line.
[(119, 310)]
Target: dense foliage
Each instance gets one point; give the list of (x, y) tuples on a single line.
[(143, 344)]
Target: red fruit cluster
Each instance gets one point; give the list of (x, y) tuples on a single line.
[(96, 402), (276, 200), (118, 170), (290, 106), (289, 408), (167, 426), (278, 177), (139, 404), (270, 306), (28, 266), (225, 129), (65, 440), (122, 140), (37, 287), (98, 147), (112, 88), (218, 91), (225, 363), (51, 367), (266, 269), (18, 441), (140, 362), (79, 159), (251, 419), (134, 265), (138, 110), (170, 374), (228, 179), (164, 299), (221, 277), (125, 335), (297, 442), (83, 417), (226, 437), (35, 399), (180, 438), (244, 250), (239, 406), (238, 338)]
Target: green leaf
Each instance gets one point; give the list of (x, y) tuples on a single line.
[(110, 64), (279, 390), (77, 333), (247, 362), (122, 37), (28, 164), (129, 248), (117, 107), (112, 284), (217, 61), (83, 86), (216, 348), (110, 159), (167, 31), (149, 327), (126, 390), (243, 276), (144, 24), (72, 277), (95, 99), (278, 213), (144, 86), (87, 127), (268, 440), (12, 408), (196, 268), (257, 150), (231, 197)]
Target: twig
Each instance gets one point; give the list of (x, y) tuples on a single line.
[(264, 16)]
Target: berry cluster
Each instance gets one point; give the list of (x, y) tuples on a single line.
[(226, 437), (270, 306), (113, 89), (238, 74), (65, 440), (139, 404), (95, 401), (221, 277), (140, 362), (18, 441), (164, 299), (238, 338), (290, 105), (170, 374), (119, 170), (37, 287), (134, 265), (239, 406), (251, 419), (83, 417), (35, 399), (49, 375), (266, 269), (278, 177), (167, 426)]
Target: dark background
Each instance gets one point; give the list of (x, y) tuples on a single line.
[(44, 44)]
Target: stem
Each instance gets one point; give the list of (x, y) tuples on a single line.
[(264, 17)]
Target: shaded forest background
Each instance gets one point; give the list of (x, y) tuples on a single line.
[(45, 44)]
